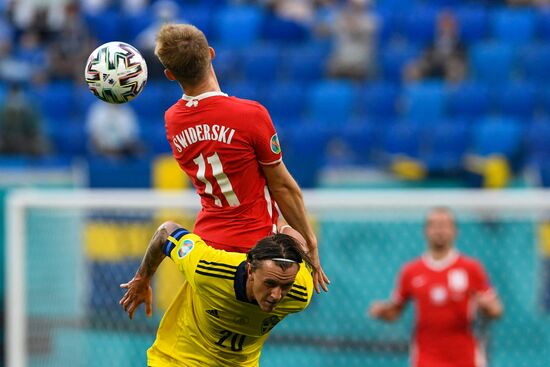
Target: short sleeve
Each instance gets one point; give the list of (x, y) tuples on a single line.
[(480, 279), (402, 291), (186, 251), (266, 142)]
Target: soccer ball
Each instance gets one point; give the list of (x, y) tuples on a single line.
[(116, 72)]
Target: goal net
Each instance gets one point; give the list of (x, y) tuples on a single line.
[(68, 251)]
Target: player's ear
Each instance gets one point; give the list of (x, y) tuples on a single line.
[(169, 75), (249, 270), (212, 53)]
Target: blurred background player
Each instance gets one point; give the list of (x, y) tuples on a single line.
[(230, 150), (446, 287), (204, 325)]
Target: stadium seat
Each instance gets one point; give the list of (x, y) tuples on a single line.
[(543, 23), (150, 103), (517, 100), (113, 173), (200, 15), (279, 29), (134, 23), (472, 22), (261, 63), (226, 63), (331, 102), (304, 150), (402, 138), (424, 101), (535, 59), (444, 145), (69, 138), (468, 100), (394, 58), (420, 25), (305, 62), (537, 140), (285, 101), (513, 26), (497, 135), (379, 100), (56, 100), (238, 26), (106, 25), (245, 90), (359, 137), (492, 62), (153, 135)]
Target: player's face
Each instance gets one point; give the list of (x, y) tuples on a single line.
[(440, 229), (269, 284)]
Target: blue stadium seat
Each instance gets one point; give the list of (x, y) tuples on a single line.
[(69, 138), (245, 90), (424, 101), (261, 63), (305, 62), (497, 135), (535, 59), (394, 58), (56, 100), (304, 160), (379, 100), (119, 173), (360, 138), (402, 137), (538, 149), (543, 23), (444, 145), (134, 23), (153, 135), (517, 100), (468, 100), (285, 101), (420, 25), (106, 25), (513, 26), (492, 62), (238, 26), (279, 29), (472, 22), (331, 102), (200, 15), (150, 103), (227, 63)]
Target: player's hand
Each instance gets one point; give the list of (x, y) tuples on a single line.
[(138, 291), (320, 279), (376, 309)]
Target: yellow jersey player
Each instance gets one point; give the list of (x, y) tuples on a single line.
[(225, 310)]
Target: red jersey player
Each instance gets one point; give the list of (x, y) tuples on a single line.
[(230, 150), (446, 287)]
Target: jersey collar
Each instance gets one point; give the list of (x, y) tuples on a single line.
[(193, 101), (241, 277), (441, 264)]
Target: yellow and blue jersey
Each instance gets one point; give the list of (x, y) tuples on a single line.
[(211, 322)]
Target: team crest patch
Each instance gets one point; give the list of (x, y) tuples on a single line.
[(185, 247), (269, 324), (275, 146)]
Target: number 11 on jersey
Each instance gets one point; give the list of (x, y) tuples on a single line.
[(219, 176)]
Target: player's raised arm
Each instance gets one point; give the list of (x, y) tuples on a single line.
[(138, 289), (289, 198)]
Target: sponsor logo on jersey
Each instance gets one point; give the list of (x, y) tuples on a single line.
[(213, 313), (275, 146), (438, 295), (185, 247), (269, 324)]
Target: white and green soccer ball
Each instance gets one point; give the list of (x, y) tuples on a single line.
[(116, 72)]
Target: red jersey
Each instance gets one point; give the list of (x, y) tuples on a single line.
[(444, 295), (220, 142)]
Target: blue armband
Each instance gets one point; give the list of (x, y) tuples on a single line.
[(173, 240)]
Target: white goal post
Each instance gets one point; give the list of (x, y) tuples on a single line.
[(350, 202)]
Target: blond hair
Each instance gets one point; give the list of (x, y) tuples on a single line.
[(183, 49)]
